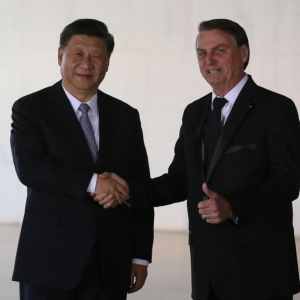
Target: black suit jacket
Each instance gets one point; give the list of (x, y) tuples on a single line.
[(256, 167), (61, 222)]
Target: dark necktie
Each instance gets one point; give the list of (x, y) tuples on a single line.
[(214, 127), (88, 130)]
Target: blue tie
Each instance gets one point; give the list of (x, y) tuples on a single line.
[(88, 130)]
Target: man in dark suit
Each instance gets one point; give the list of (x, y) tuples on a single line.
[(237, 162), (70, 247)]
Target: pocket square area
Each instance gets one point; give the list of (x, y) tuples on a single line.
[(239, 148)]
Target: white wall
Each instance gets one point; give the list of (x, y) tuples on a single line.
[(153, 68)]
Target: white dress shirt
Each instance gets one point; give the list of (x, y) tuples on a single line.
[(231, 97)]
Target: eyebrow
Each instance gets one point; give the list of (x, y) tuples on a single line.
[(214, 48), (82, 47)]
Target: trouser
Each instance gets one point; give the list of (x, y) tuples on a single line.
[(89, 288), (213, 296)]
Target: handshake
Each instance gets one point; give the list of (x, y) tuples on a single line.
[(111, 190)]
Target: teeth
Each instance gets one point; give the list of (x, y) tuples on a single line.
[(213, 71)]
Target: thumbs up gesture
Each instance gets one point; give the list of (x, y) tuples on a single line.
[(215, 209)]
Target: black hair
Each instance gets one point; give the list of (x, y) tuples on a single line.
[(89, 27)]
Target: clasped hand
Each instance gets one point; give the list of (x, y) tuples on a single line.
[(111, 190)]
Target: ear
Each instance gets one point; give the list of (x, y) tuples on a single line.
[(244, 53), (107, 64), (60, 55)]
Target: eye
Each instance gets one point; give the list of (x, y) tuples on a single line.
[(95, 56), (219, 50), (201, 53)]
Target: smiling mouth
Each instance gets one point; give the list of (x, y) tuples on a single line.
[(213, 71), (84, 76)]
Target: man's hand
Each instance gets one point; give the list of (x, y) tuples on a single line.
[(139, 274), (216, 209), (113, 190)]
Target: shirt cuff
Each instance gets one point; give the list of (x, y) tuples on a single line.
[(92, 186), (140, 262)]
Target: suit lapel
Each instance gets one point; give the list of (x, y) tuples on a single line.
[(107, 122), (239, 111), (64, 113), (205, 105), (201, 114)]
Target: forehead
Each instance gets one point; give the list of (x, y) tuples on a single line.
[(79, 40), (213, 38)]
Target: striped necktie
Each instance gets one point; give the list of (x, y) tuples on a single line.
[(88, 130)]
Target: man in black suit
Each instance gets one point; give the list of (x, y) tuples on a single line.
[(237, 162), (62, 137)]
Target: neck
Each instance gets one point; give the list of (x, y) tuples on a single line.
[(221, 90), (79, 95)]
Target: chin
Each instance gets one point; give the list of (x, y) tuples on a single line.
[(214, 83)]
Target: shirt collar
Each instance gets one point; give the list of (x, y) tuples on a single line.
[(93, 104), (232, 95)]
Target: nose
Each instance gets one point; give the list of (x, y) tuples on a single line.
[(86, 62), (210, 59)]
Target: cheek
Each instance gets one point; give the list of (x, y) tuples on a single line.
[(101, 69), (202, 70), (65, 69), (200, 64), (64, 64)]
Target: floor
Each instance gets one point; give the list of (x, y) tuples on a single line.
[(168, 279)]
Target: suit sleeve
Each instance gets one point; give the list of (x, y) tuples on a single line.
[(143, 217), (281, 184), (35, 168)]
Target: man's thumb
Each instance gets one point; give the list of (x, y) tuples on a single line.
[(206, 190)]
